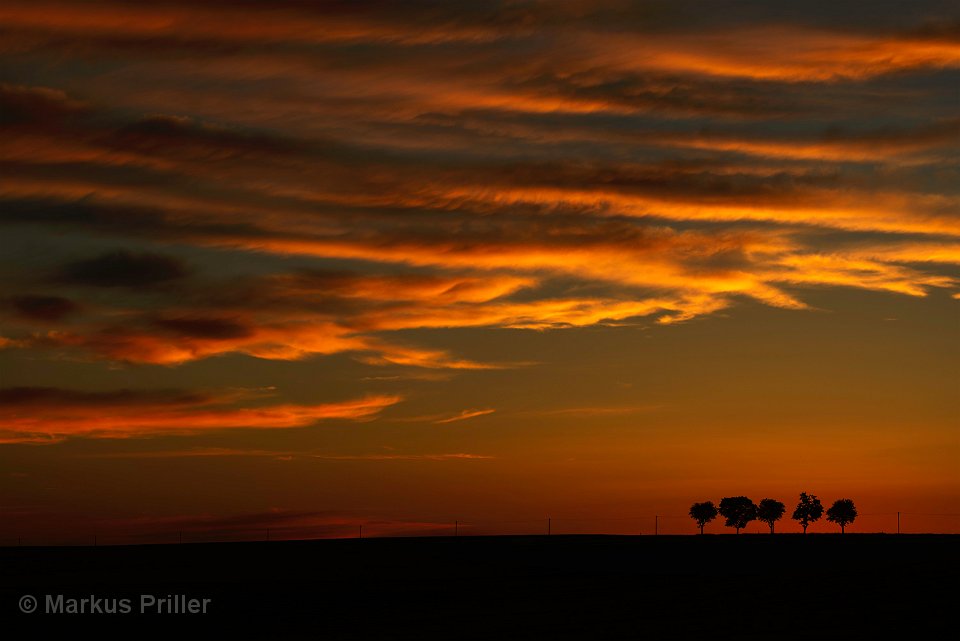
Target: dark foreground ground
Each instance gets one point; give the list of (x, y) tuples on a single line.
[(560, 587)]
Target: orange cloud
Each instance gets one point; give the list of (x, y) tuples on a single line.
[(866, 274), (263, 23), (416, 287), (680, 275), (286, 341), (776, 52), (51, 415), (486, 183)]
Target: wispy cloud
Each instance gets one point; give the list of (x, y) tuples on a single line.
[(464, 415), (285, 455), (402, 457), (49, 415), (587, 412)]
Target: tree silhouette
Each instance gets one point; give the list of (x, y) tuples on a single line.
[(770, 511), (703, 513), (842, 513), (738, 511), (808, 510)]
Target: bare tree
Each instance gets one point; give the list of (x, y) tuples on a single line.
[(770, 511), (808, 510), (703, 513), (842, 512)]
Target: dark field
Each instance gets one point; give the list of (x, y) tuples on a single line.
[(582, 587)]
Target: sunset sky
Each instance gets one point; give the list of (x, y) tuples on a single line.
[(310, 265)]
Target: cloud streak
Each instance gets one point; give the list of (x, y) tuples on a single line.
[(49, 415), (464, 415)]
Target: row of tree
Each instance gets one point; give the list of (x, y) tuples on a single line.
[(740, 510)]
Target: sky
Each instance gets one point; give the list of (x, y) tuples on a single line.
[(306, 266)]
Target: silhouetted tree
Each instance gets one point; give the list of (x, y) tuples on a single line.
[(738, 511), (770, 511), (703, 513), (808, 510), (842, 513)]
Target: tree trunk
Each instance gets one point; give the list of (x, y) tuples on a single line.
[(804, 528), (701, 528), (738, 530), (841, 528), (771, 528)]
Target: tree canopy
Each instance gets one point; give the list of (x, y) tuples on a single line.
[(808, 510), (842, 512), (738, 511), (703, 513), (770, 511)]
